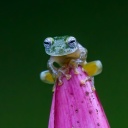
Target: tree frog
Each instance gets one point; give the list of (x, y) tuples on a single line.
[(66, 51)]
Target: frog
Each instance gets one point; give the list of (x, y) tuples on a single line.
[(66, 52)]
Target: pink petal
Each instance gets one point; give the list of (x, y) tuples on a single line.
[(75, 105)]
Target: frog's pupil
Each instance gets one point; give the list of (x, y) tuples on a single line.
[(46, 42), (72, 41)]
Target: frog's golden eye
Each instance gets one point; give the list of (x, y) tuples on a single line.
[(71, 41), (48, 42)]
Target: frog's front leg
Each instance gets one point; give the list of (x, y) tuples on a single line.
[(53, 70), (57, 73)]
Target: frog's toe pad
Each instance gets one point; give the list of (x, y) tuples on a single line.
[(46, 77), (93, 68)]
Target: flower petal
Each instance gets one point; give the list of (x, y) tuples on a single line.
[(75, 105)]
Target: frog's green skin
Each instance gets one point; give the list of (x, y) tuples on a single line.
[(63, 50)]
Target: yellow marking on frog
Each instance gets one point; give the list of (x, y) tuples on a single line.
[(46, 77), (92, 68)]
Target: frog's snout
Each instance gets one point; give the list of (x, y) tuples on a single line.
[(59, 50)]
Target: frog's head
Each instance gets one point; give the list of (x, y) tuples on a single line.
[(60, 46)]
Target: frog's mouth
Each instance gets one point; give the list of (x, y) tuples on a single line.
[(60, 52)]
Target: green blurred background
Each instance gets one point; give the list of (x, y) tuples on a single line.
[(100, 26)]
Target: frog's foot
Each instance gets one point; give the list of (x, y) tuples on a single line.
[(46, 77), (74, 64), (92, 68), (76, 71), (83, 82), (60, 82), (63, 72)]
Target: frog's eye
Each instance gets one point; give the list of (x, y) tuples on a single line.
[(48, 42), (71, 42)]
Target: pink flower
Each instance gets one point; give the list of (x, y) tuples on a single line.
[(75, 104)]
